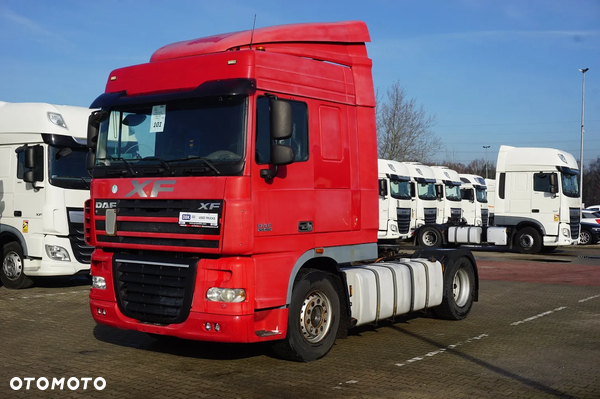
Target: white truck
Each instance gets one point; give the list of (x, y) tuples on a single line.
[(43, 186), (450, 200), (396, 214), (537, 203), (474, 200)]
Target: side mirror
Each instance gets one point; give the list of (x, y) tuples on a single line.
[(412, 190), (281, 120), (281, 154), (471, 194), (93, 127), (90, 160), (28, 176), (553, 183), (30, 157), (34, 164), (439, 191), (383, 190)]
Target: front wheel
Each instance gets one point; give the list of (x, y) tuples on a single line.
[(528, 241), (313, 317), (459, 290), (12, 273), (585, 237), (430, 237)]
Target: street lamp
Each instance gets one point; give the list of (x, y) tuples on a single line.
[(583, 71), (486, 162)]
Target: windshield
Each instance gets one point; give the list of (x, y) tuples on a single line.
[(453, 193), (207, 133), (570, 185), (481, 194), (426, 191), (67, 167), (400, 189)]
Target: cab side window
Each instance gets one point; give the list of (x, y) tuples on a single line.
[(541, 182), (298, 141)]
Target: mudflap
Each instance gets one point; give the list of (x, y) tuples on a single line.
[(446, 257)]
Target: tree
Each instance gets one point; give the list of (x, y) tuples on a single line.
[(591, 183), (404, 129)]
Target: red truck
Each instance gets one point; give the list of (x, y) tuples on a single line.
[(235, 196)]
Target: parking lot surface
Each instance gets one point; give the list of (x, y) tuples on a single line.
[(535, 333)]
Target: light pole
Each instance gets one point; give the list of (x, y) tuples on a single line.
[(583, 71), (486, 162)]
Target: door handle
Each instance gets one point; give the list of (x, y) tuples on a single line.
[(535, 211), (17, 213)]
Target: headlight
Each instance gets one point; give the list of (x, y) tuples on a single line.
[(478, 223), (566, 232), (56, 252), (98, 282), (215, 294)]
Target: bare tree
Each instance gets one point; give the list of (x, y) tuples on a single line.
[(591, 183), (404, 128)]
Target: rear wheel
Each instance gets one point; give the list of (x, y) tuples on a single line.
[(313, 317), (12, 273), (459, 291), (430, 237), (528, 241)]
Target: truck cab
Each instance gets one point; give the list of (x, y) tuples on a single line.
[(450, 186), (474, 200), (396, 215), (43, 187), (537, 194)]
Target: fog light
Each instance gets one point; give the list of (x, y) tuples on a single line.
[(216, 294), (98, 310), (207, 326), (98, 282), (217, 327), (394, 228), (566, 232), (56, 252)]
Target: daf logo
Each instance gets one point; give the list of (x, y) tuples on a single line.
[(391, 167), (419, 171), (209, 206), (447, 174), (562, 158), (114, 189), (106, 204), (157, 187)]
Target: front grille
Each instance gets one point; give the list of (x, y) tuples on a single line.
[(156, 290), (430, 215), (403, 218), (484, 217), (156, 222), (81, 251), (455, 215), (574, 220)]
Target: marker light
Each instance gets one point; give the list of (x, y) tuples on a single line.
[(57, 119)]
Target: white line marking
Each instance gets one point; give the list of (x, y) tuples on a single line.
[(441, 350), (48, 295), (587, 299), (339, 386), (537, 316)]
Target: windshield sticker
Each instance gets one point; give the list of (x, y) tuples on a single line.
[(157, 121), (195, 219)]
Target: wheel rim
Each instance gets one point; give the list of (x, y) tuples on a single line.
[(461, 287), (584, 237), (12, 266), (429, 239), (526, 241), (315, 316)]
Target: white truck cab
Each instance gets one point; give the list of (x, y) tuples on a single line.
[(474, 200), (396, 217), (450, 200), (43, 186), (537, 194)]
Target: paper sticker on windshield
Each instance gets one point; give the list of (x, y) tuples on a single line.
[(157, 121), (195, 219)]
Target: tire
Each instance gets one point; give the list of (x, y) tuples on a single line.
[(11, 272), (459, 290), (313, 317), (585, 238), (548, 249), (430, 237), (528, 241)]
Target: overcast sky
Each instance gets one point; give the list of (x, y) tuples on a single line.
[(493, 72)]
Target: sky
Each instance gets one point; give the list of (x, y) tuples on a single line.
[(493, 72)]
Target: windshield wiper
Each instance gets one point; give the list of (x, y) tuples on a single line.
[(126, 162), (194, 158), (162, 163)]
